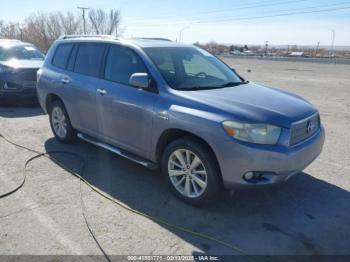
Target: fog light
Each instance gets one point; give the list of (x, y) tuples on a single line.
[(9, 86), (249, 176), (259, 177), (6, 86)]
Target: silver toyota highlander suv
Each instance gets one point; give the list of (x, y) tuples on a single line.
[(176, 106)]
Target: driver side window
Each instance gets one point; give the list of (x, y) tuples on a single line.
[(197, 64), (121, 64)]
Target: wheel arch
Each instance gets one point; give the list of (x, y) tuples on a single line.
[(172, 134), (50, 98)]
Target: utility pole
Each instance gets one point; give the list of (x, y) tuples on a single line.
[(317, 47), (181, 31), (333, 41), (266, 47), (21, 31), (83, 10)]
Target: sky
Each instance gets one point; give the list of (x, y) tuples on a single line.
[(224, 21)]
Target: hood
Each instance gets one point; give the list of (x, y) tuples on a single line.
[(255, 103), (22, 64)]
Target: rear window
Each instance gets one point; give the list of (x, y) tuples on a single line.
[(89, 58), (62, 55)]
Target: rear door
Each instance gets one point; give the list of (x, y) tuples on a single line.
[(125, 112), (82, 75)]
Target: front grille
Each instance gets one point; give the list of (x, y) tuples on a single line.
[(27, 74), (304, 129)]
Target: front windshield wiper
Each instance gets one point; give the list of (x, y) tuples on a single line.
[(229, 84), (195, 88), (232, 84)]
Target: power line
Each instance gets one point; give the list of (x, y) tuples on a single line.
[(276, 15), (233, 18), (255, 6), (277, 11), (243, 7)]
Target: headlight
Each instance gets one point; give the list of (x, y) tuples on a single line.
[(253, 133)]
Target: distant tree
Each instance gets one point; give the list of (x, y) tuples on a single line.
[(10, 30), (1, 27), (254, 48), (70, 23), (103, 22), (41, 29), (294, 48)]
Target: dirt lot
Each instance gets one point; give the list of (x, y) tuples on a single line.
[(308, 215)]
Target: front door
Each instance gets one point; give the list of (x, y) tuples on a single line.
[(125, 112)]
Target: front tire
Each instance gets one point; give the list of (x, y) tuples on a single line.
[(60, 123), (191, 171)]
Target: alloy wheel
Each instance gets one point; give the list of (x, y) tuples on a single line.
[(59, 122), (187, 173)]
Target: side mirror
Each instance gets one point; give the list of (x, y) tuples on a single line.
[(140, 80)]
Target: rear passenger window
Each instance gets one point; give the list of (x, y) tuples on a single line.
[(121, 64), (88, 61), (62, 55), (71, 61)]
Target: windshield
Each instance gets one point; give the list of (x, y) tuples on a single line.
[(191, 68), (22, 52)]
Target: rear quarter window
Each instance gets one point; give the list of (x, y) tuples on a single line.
[(61, 56)]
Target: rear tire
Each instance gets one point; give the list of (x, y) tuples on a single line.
[(60, 123), (191, 171)]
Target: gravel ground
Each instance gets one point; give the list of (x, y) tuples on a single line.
[(310, 214)]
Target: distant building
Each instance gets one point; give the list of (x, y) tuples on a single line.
[(248, 52), (245, 52), (299, 54), (237, 52)]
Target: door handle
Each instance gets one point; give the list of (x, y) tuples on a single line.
[(65, 81), (102, 91)]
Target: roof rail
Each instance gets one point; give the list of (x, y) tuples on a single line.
[(9, 40), (88, 36), (153, 38)]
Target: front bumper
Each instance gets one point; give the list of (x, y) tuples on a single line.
[(280, 162), (17, 91)]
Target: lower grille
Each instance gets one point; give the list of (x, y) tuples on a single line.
[(304, 129), (10, 85)]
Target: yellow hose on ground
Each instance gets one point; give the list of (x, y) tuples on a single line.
[(109, 197)]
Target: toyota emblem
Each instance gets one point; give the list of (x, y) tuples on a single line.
[(310, 127)]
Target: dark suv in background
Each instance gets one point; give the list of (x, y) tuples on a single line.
[(19, 63)]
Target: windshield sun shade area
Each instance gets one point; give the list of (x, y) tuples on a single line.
[(190, 68)]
